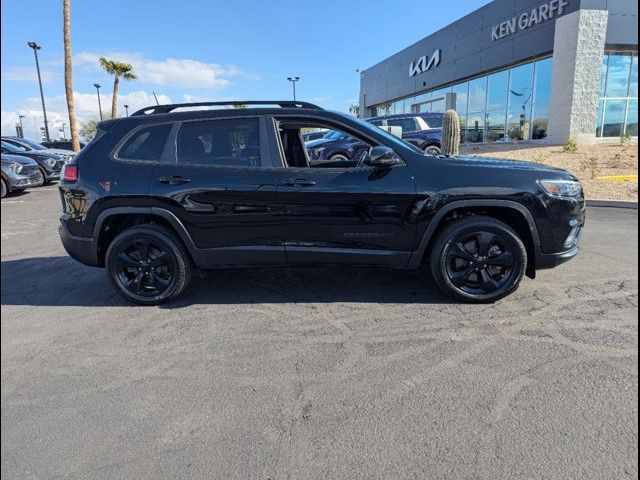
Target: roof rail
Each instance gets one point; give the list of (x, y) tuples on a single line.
[(154, 109)]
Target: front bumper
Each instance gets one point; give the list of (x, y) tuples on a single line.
[(20, 182), (81, 249), (552, 260)]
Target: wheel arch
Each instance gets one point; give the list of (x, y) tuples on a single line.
[(114, 220), (514, 214)]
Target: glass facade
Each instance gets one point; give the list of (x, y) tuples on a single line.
[(510, 104), (618, 105)]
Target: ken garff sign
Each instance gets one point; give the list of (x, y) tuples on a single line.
[(424, 63), (542, 13)]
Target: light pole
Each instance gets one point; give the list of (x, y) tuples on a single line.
[(64, 135), (20, 117), (99, 102), (126, 109), (37, 47), (293, 81)]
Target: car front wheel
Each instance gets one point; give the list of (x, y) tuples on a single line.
[(5, 189), (148, 265), (432, 150), (478, 259)]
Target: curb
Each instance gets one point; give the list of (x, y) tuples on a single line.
[(612, 203)]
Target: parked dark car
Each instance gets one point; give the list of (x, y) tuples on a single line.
[(163, 191), (31, 146), (309, 136), (19, 173), (335, 149), (424, 130), (61, 144), (50, 165)]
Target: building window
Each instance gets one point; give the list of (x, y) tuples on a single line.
[(507, 105), (618, 104)]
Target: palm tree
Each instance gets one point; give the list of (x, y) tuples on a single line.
[(68, 79), (117, 69)]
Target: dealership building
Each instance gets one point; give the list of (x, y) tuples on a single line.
[(521, 70)]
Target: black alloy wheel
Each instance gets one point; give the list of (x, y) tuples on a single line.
[(478, 259), (148, 265)]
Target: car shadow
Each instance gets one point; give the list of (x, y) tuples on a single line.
[(61, 281)]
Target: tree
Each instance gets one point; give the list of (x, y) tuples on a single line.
[(354, 109), (117, 69), (88, 129), (68, 78)]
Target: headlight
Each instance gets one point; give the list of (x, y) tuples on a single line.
[(316, 152), (49, 161), (15, 167), (561, 188)]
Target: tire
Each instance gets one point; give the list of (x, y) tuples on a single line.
[(432, 150), (44, 177), (5, 189), (478, 259), (151, 278), (338, 157)]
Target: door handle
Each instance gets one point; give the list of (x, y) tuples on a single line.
[(298, 182), (174, 180)]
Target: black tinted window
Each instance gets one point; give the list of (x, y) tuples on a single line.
[(407, 124), (434, 121), (146, 144), (220, 142)]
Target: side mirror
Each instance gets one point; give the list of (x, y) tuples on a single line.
[(383, 157)]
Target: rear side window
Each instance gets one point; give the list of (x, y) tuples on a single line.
[(407, 124), (234, 142), (146, 143)]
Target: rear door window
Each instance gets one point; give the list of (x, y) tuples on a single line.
[(407, 124), (146, 143), (222, 142)]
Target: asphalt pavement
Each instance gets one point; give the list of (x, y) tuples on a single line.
[(284, 373)]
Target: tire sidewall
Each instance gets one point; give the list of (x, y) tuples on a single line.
[(515, 245), (181, 268), (5, 188), (432, 147)]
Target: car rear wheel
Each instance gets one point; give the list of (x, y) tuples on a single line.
[(338, 157), (432, 150), (5, 189), (148, 265), (478, 259)]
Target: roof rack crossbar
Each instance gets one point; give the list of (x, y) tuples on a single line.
[(156, 109)]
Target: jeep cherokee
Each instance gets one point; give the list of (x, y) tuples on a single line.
[(164, 191)]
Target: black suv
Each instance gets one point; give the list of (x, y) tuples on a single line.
[(161, 192)]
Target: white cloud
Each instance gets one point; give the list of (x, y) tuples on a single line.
[(171, 72), (29, 74), (86, 106)]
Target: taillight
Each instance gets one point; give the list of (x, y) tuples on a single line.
[(70, 172)]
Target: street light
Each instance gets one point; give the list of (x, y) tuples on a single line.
[(293, 81), (20, 117), (99, 102), (37, 47), (126, 109)]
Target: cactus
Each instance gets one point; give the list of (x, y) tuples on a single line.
[(450, 133)]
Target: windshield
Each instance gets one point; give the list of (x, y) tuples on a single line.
[(392, 138), (12, 148), (334, 135), (30, 144), (434, 121)]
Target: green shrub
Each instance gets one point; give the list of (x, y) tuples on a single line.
[(571, 146)]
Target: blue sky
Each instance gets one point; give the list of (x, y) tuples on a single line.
[(205, 50)]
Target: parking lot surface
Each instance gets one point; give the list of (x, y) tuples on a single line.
[(317, 373)]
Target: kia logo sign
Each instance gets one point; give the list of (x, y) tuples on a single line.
[(424, 63)]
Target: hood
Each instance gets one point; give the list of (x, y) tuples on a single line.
[(8, 158), (474, 161), (320, 141), (58, 151)]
